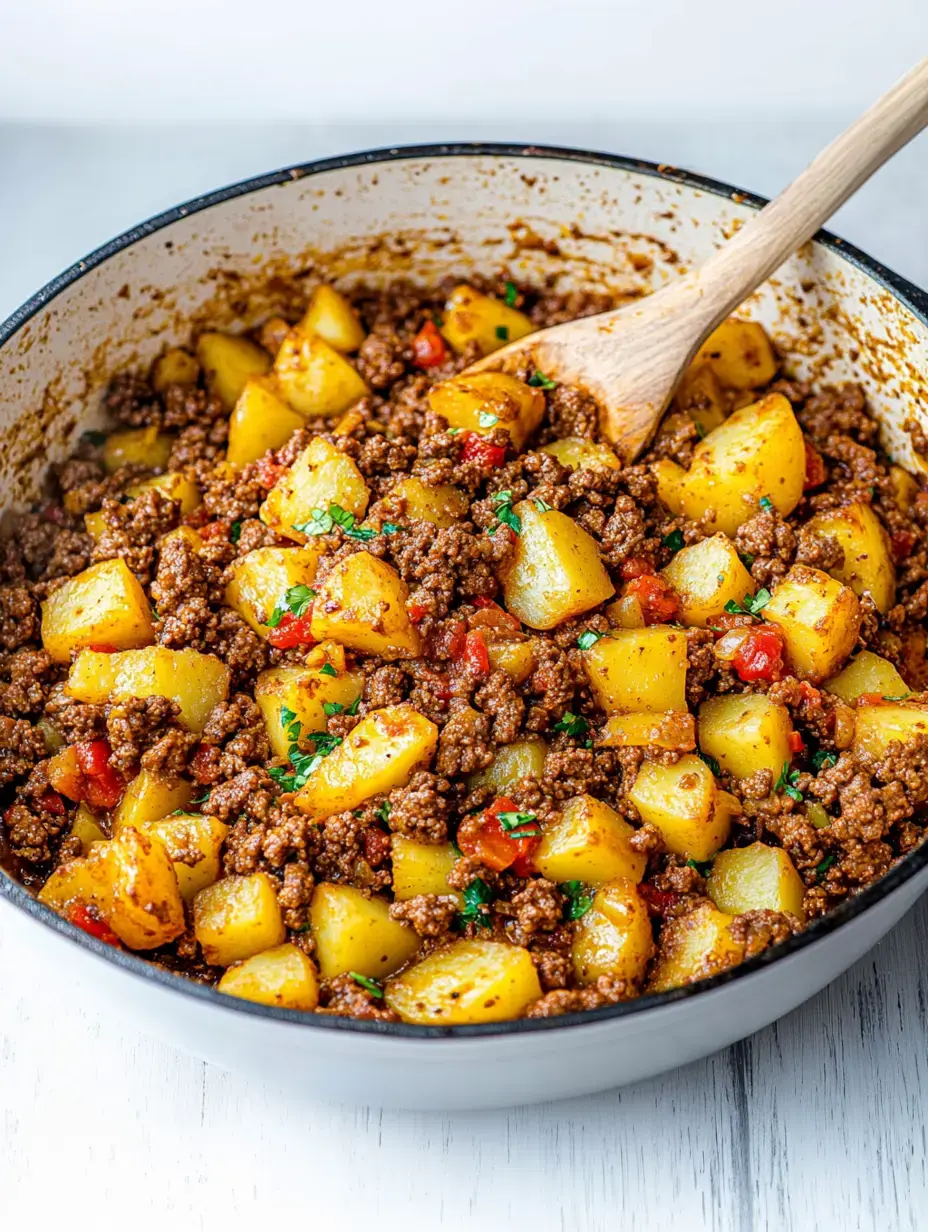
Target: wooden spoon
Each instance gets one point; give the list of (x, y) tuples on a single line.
[(631, 359)]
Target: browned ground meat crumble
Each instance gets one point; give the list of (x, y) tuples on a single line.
[(875, 810)]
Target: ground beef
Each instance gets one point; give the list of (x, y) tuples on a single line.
[(606, 990), (537, 907), (758, 930), (130, 400), (134, 725), (19, 617), (235, 737), (429, 914), (344, 995), (132, 530), (421, 810), (464, 745), (21, 746), (26, 681)]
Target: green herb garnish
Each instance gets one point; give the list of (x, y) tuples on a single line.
[(899, 697), (787, 783), (93, 437), (703, 867), (519, 825), (746, 559), (588, 638), (322, 522), (331, 708), (822, 868), (541, 505), (823, 759), (579, 899), (384, 811), (391, 528), (353, 708), (502, 332), (328, 670), (235, 532), (487, 419), (539, 381), (504, 514), (302, 763), (476, 897), (511, 294), (674, 540), (295, 602), (766, 504), (366, 983), (750, 604), (711, 763), (572, 725)]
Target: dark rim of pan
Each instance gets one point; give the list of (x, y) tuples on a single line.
[(911, 296)]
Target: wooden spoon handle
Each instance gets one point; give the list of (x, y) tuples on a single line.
[(793, 217)]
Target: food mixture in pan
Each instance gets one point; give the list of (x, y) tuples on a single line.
[(358, 687)]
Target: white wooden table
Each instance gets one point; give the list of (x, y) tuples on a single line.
[(817, 1123)]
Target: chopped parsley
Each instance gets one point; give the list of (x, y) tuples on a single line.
[(502, 332), (331, 708), (899, 697), (504, 514), (487, 419), (822, 868), (384, 811), (200, 799), (328, 670), (766, 504), (519, 825), (750, 604), (353, 708), (579, 899), (296, 602), (366, 983), (572, 725), (703, 867), (674, 540), (787, 783), (711, 763), (511, 294), (302, 763), (322, 522), (541, 505), (747, 559), (390, 528), (588, 638), (93, 437), (823, 759), (538, 380), (235, 532), (476, 897)]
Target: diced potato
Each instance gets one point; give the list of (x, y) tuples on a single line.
[(321, 476), (197, 682), (670, 478), (261, 421), (819, 618), (580, 454), (468, 981), (104, 605), (868, 564), (174, 367), (362, 605), (674, 729), (614, 937), (227, 362), (638, 669), (694, 947), (332, 318), (745, 732), (71, 882), (313, 378), (137, 447), (236, 918), (556, 571), (756, 878), (95, 524), (305, 691), (625, 613), (136, 890), (590, 843), (272, 333), (191, 537), (700, 395), (487, 401), (260, 580), (86, 828), (905, 488), (444, 505), (706, 576), (516, 659), (739, 354), (513, 762), (326, 652), (355, 933), (421, 868), (175, 486), (879, 724), (186, 837), (149, 798), (379, 754), (472, 317), (283, 977), (684, 802), (867, 673), (758, 451)]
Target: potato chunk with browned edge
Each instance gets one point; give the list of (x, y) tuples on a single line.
[(227, 362), (638, 670), (194, 843), (746, 732), (694, 947), (145, 447), (443, 505), (362, 605), (614, 937), (421, 868), (261, 421), (313, 377), (819, 618), (672, 729), (354, 932), (867, 566), (322, 476), (470, 317), (705, 577), (580, 454), (467, 981), (589, 842), (261, 580), (513, 762), (136, 890), (756, 878), (331, 317), (288, 695), (867, 673), (739, 354), (103, 605), (282, 976), (881, 724), (486, 401), (237, 917), (149, 797), (684, 802)]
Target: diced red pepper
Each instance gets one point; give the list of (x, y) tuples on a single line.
[(268, 471), (869, 699), (902, 543), (215, 530), (493, 615), (760, 655), (52, 803), (428, 346), (103, 786), (446, 641), (808, 692), (475, 654), (203, 764), (484, 837), (416, 612), (816, 471), (79, 914), (292, 631), (658, 599), (376, 846), (478, 449), (635, 567), (103, 648), (796, 743), (660, 901)]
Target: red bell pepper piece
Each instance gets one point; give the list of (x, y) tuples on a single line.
[(428, 346), (103, 785), (485, 837), (816, 471), (659, 602), (78, 914), (760, 655), (478, 449), (292, 631)]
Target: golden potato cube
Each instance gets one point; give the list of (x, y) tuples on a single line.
[(362, 605), (136, 890), (670, 478), (867, 673), (638, 669), (472, 317), (175, 486), (614, 937), (555, 572), (684, 802), (523, 758), (590, 842), (756, 878), (272, 333), (149, 797), (379, 754), (95, 524), (758, 451), (444, 505), (694, 947), (819, 618), (283, 977), (137, 447), (314, 378), (421, 868), (104, 605), (739, 354), (260, 421), (227, 362), (71, 882), (905, 488), (880, 724), (86, 828), (625, 613), (487, 401), (190, 536), (706, 576), (303, 693), (236, 918), (355, 933), (516, 659), (745, 732), (700, 395), (260, 581), (194, 844), (467, 981), (868, 564), (580, 454), (197, 682), (674, 729), (333, 319), (320, 477), (175, 367)]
